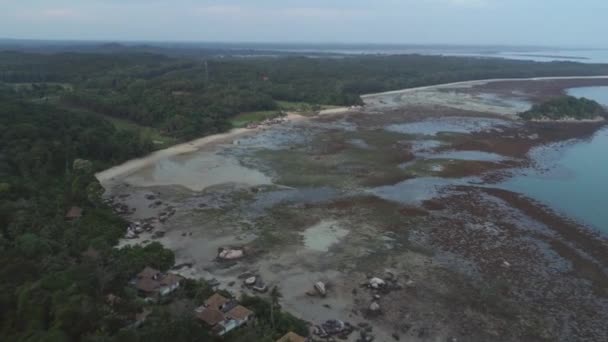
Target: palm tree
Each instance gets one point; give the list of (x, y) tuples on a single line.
[(275, 296)]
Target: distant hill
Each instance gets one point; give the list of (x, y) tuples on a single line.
[(565, 108)]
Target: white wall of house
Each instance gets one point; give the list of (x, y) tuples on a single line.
[(168, 289)]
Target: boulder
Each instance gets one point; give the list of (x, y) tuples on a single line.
[(250, 281), (376, 283), (320, 287), (231, 254)]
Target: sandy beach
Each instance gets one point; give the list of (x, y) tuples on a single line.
[(126, 168), (208, 141), (341, 198), (481, 82)]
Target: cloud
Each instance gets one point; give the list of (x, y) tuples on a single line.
[(461, 3), (47, 14), (59, 13), (470, 3), (291, 12)]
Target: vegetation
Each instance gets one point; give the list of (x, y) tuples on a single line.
[(64, 116), (566, 107), (185, 97)]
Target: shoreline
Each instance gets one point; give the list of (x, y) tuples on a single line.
[(481, 82), (133, 165), (138, 163), (501, 234)]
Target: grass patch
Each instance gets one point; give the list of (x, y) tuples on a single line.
[(243, 119), (302, 106)]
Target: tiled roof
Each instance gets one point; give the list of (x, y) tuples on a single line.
[(170, 279), (74, 212), (216, 301), (210, 316), (147, 284), (148, 272), (239, 312), (292, 337)]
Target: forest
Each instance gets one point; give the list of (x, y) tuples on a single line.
[(565, 107), (184, 97), (65, 116)]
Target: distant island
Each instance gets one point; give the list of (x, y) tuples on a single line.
[(565, 108)]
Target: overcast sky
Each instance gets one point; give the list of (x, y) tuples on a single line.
[(517, 22)]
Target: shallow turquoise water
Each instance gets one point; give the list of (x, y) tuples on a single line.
[(576, 182)]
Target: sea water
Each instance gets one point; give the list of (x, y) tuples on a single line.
[(573, 176)]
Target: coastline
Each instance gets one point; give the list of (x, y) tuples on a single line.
[(133, 165), (481, 82), (491, 240)]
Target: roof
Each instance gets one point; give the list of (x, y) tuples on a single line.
[(292, 337), (147, 284), (170, 279), (216, 301), (148, 273), (239, 312), (91, 253), (74, 213), (210, 316)]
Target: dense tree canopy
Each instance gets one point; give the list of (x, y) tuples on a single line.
[(565, 107), (64, 116), (187, 97)]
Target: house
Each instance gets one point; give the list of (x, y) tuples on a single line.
[(152, 283), (217, 302), (169, 283), (237, 317), (211, 317), (292, 337), (223, 315), (74, 213)]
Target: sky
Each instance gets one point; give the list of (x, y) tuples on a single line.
[(573, 23)]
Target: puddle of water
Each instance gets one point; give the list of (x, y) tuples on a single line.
[(323, 235), (341, 124), (467, 155), (416, 190), (359, 143), (519, 104), (198, 171), (425, 146), (269, 199), (277, 138), (451, 124)]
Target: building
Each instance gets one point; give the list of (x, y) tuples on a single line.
[(217, 302), (73, 214), (152, 283), (292, 337), (223, 315), (211, 317)]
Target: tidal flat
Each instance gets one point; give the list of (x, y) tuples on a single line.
[(409, 188)]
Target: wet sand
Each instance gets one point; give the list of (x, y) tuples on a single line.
[(467, 263)]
